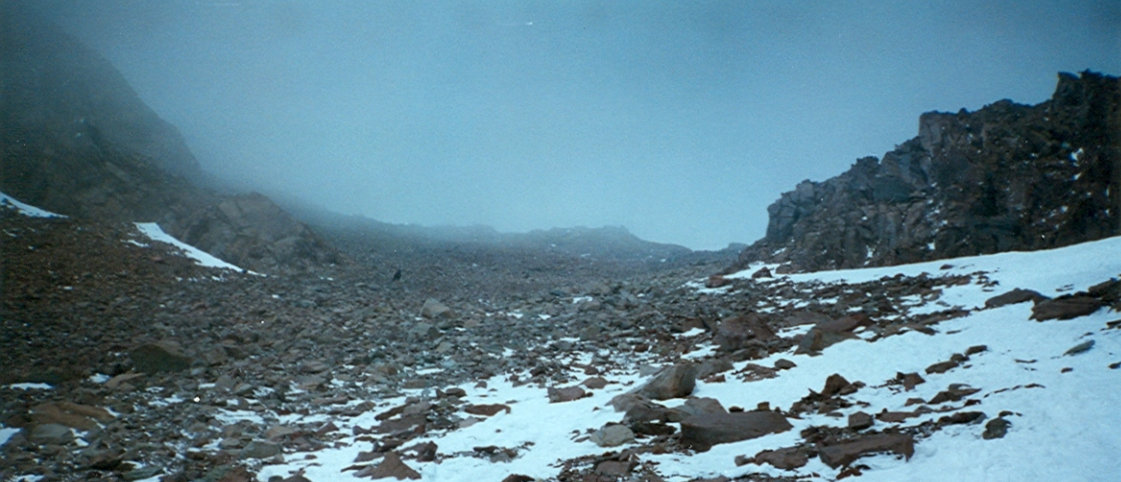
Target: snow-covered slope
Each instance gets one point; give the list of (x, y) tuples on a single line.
[(1058, 397)]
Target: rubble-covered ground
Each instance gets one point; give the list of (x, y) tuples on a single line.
[(124, 358)]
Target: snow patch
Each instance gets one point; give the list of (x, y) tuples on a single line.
[(26, 209)]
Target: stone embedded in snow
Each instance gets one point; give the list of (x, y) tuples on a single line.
[(703, 431), (486, 409), (784, 364), (996, 428), (787, 458), (941, 367), (908, 380), (595, 383), (1080, 348), (566, 394), (1065, 308), (433, 309), (158, 357), (1017, 295), (390, 466), (860, 421), (953, 393), (844, 453), (612, 435), (837, 385), (674, 382), (518, 478)]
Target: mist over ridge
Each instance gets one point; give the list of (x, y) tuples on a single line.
[(681, 123)]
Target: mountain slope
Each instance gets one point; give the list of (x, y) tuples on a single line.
[(1006, 177), (77, 140)]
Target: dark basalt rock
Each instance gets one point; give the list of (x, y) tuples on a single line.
[(1006, 177)]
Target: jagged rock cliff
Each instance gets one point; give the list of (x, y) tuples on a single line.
[(76, 139), (1007, 177)]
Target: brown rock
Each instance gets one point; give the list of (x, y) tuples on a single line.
[(1012, 297), (704, 431), (595, 383), (909, 380), (836, 385), (844, 453), (787, 458), (390, 466), (1065, 308), (486, 409), (941, 367), (952, 394), (860, 421), (517, 478), (69, 414)]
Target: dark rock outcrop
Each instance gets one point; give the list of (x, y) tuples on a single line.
[(1005, 177)]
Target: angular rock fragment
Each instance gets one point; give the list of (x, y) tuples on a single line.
[(159, 357), (390, 466), (674, 382), (846, 452), (612, 435), (1065, 308), (1014, 296), (566, 394), (704, 431)]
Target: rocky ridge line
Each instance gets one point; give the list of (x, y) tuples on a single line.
[(1006, 177)]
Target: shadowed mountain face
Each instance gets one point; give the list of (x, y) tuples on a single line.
[(1007, 177), (77, 140)]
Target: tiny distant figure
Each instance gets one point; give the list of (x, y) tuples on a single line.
[(397, 274)]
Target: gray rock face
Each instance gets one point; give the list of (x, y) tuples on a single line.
[(674, 382), (612, 436), (1006, 177)]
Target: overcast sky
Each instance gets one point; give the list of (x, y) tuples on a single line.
[(680, 120)]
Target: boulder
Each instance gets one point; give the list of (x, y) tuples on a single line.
[(860, 421), (996, 428), (51, 434), (705, 430), (787, 458), (1065, 308), (158, 357), (434, 309), (732, 333), (612, 435), (566, 394), (846, 452), (674, 382)]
